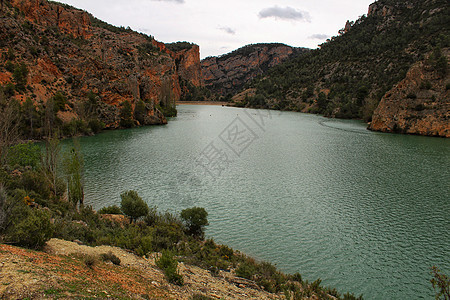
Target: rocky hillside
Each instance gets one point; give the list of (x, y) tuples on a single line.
[(351, 72), (97, 71), (420, 103), (62, 272), (229, 73)]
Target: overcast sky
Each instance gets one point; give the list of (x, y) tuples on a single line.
[(222, 26)]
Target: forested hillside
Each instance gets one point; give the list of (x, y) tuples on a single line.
[(349, 74)]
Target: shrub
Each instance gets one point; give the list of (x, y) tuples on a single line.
[(90, 261), (133, 206), (140, 112), (59, 101), (34, 230), (169, 264), (441, 283), (195, 219), (126, 115), (112, 210), (167, 235), (246, 270), (9, 66), (419, 107), (20, 76), (411, 96), (96, 125), (425, 85), (110, 257), (24, 155)]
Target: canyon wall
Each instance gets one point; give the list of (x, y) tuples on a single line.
[(67, 50)]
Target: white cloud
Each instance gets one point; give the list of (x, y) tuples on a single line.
[(318, 36), (284, 13)]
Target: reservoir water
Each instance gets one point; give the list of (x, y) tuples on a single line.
[(366, 212)]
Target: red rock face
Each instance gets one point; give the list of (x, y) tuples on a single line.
[(419, 104), (69, 21), (188, 66), (229, 73), (75, 57)]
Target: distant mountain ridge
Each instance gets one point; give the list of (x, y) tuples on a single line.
[(228, 73)]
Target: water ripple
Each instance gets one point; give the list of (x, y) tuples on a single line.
[(366, 212)]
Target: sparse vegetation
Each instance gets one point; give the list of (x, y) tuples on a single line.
[(90, 261), (440, 283), (179, 46), (126, 115), (113, 210), (169, 265), (111, 257)]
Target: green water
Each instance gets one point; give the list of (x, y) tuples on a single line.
[(366, 212)]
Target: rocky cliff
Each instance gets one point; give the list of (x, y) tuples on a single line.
[(229, 73), (65, 50), (419, 104)]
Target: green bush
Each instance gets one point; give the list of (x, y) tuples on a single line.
[(126, 115), (246, 270), (140, 112), (96, 125), (167, 235), (169, 265), (112, 210), (33, 181), (70, 231), (133, 206), (24, 155), (20, 76), (59, 101), (33, 230)]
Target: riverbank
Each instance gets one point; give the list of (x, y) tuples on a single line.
[(218, 103)]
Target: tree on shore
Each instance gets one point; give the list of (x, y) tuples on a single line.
[(50, 162), (73, 165), (133, 206), (195, 220), (9, 124)]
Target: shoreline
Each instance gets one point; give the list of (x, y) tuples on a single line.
[(218, 103)]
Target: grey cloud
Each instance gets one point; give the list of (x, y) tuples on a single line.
[(228, 30), (318, 36), (284, 13), (176, 1)]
